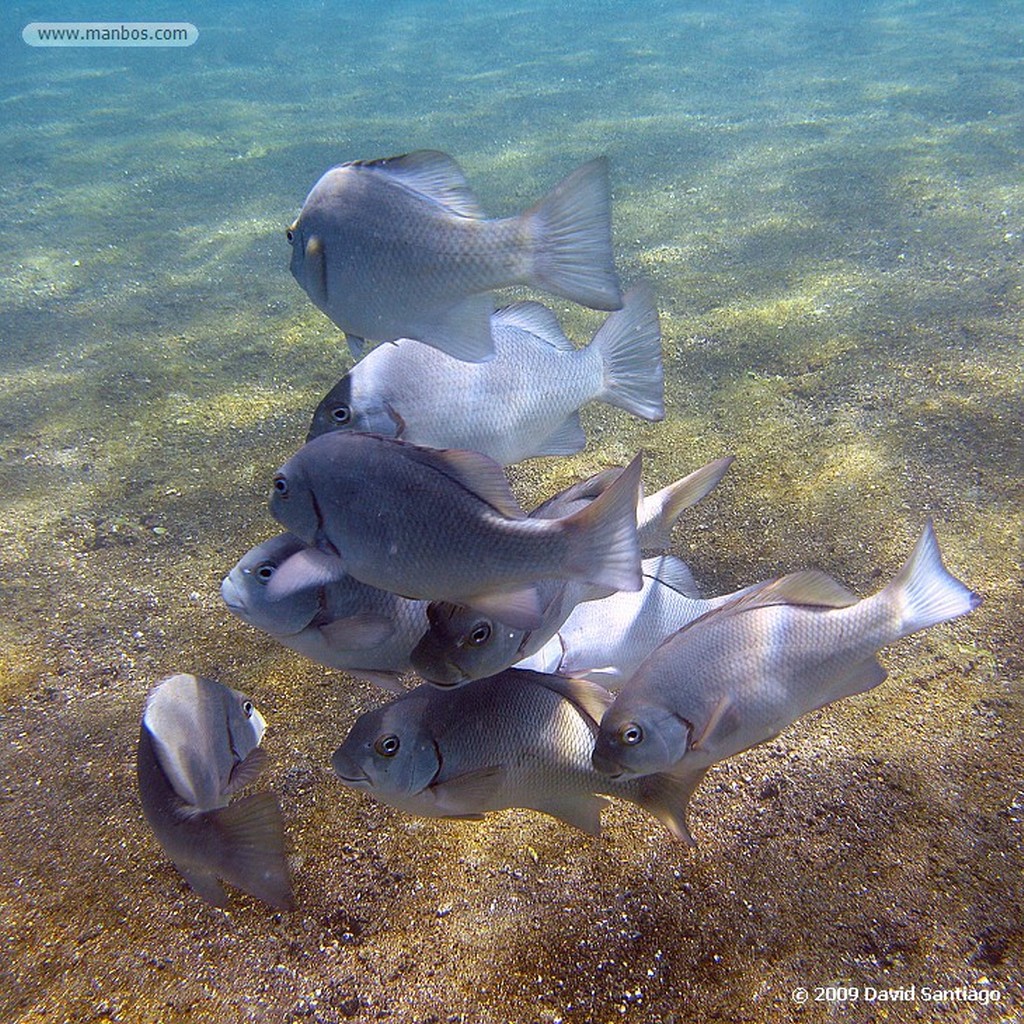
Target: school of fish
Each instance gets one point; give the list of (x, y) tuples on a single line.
[(545, 660)]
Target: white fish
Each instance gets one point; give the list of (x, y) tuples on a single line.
[(606, 640), (199, 744), (520, 739), (743, 672), (524, 402), (344, 624), (398, 248)]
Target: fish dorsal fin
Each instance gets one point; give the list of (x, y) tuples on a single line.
[(809, 587), (591, 699), (469, 793), (360, 632), (248, 770), (472, 470), (431, 173), (586, 490), (671, 572), (659, 512), (537, 320)]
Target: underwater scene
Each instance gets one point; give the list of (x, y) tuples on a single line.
[(810, 217)]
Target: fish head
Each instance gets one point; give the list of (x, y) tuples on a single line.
[(292, 502), (639, 738), (462, 644), (202, 731), (390, 751), (244, 589), (348, 406)]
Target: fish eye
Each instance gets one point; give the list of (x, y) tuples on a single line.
[(480, 634), (281, 485), (248, 708), (264, 571), (387, 746), (341, 414), (631, 734), (289, 233)]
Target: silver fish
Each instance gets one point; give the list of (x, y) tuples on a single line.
[(343, 624), (520, 739), (199, 743), (398, 248), (606, 640), (465, 643), (524, 402), (743, 672), (443, 525)]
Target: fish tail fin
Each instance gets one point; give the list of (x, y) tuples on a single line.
[(924, 590), (571, 228), (604, 548), (666, 795), (629, 343), (252, 855), (660, 511)]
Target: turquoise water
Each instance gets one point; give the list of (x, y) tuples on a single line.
[(827, 199)]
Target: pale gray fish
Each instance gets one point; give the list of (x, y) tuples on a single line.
[(743, 672), (524, 402), (520, 739), (343, 623), (465, 643), (199, 744), (442, 525), (606, 640), (398, 248)]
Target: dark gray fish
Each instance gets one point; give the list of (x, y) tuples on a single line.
[(464, 643), (523, 402), (443, 525), (398, 248), (343, 624), (743, 672), (198, 745), (520, 739)]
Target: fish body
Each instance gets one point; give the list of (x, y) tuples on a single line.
[(606, 640), (520, 739), (443, 525), (199, 743), (744, 671), (398, 248), (524, 402), (342, 623), (466, 643)]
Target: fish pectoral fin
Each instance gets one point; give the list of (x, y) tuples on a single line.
[(520, 608), (463, 330), (666, 795), (471, 789), (723, 720), (582, 811), (247, 771), (205, 884), (356, 345), (360, 632), (316, 271), (251, 848), (390, 681), (568, 439), (305, 570)]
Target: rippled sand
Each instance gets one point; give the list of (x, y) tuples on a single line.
[(830, 209)]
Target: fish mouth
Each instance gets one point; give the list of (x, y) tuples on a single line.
[(230, 596), (607, 765)]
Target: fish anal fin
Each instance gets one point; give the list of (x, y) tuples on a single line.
[(567, 439), (462, 330), (470, 793), (205, 884), (582, 811)]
